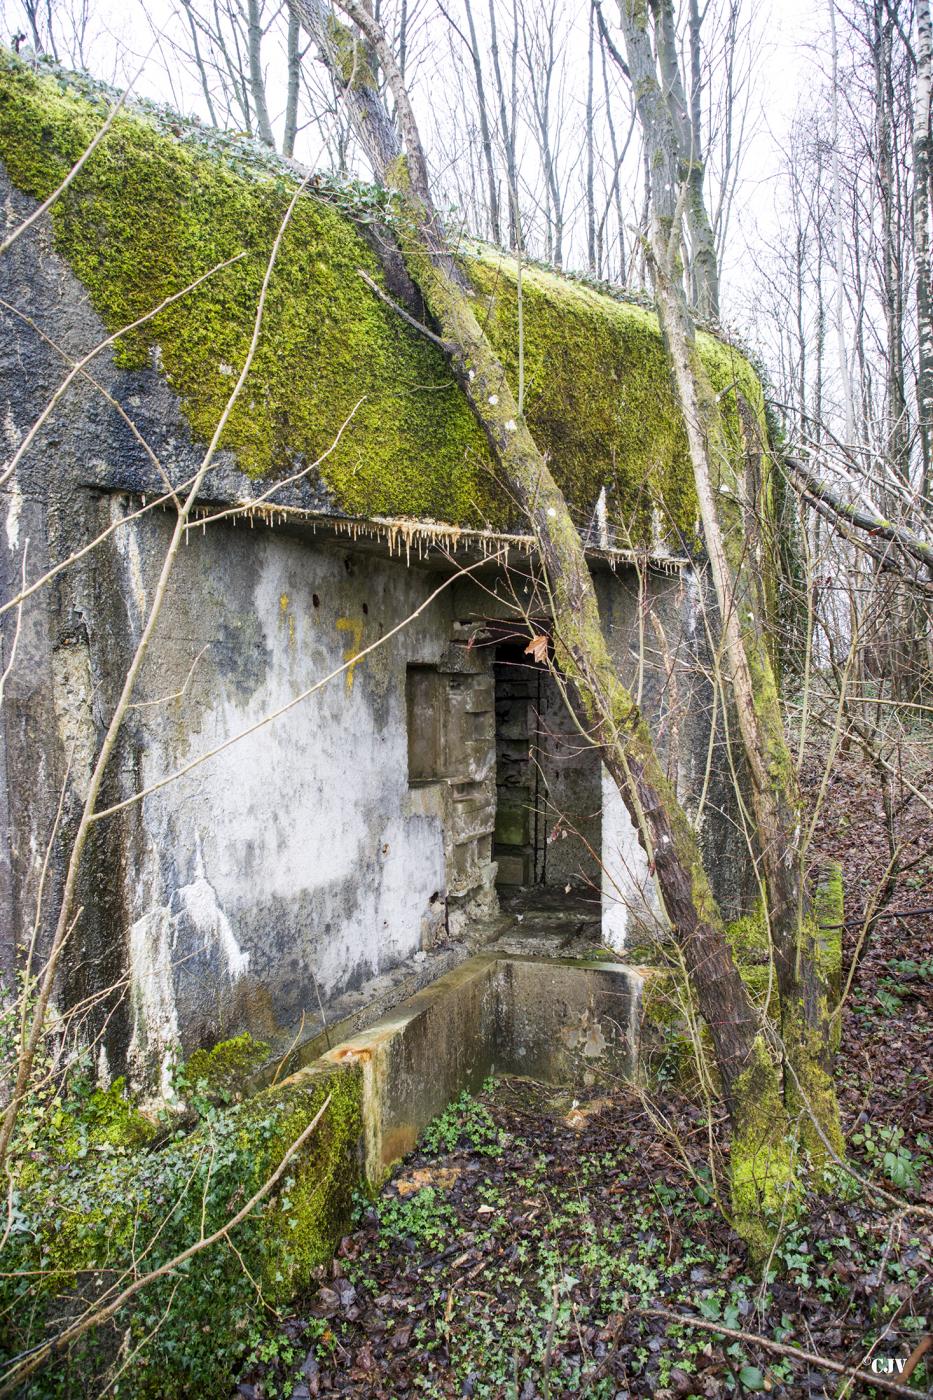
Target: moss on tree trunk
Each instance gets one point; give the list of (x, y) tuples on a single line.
[(730, 513), (605, 706)]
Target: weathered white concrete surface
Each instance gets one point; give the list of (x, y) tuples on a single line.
[(665, 663), (290, 865), (631, 904)]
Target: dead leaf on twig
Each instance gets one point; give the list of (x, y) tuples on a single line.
[(537, 648)]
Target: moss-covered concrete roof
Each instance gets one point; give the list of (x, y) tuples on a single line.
[(161, 203)]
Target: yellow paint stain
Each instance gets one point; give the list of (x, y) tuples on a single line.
[(355, 627), (283, 605)]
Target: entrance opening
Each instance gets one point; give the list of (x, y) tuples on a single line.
[(548, 784)]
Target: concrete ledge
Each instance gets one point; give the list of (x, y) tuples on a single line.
[(564, 1022), (567, 1022)]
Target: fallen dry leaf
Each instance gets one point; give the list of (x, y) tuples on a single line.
[(580, 1114), (442, 1177)]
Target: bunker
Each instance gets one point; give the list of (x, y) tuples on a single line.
[(343, 774)]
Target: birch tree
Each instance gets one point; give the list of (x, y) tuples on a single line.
[(854, 407), (921, 233)]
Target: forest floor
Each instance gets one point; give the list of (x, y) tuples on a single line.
[(535, 1247)]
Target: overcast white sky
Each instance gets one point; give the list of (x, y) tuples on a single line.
[(124, 33)]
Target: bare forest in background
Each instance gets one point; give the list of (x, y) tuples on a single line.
[(625, 144)]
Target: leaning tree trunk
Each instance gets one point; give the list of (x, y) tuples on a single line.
[(762, 1168), (725, 513)]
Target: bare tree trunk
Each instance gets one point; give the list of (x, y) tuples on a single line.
[(294, 82), (921, 231), (615, 196), (485, 133), (820, 348), (897, 444), (840, 236), (687, 127), (257, 82), (42, 43), (801, 330), (199, 63), (507, 126), (590, 187), (541, 102), (762, 1168), (694, 31), (402, 36)]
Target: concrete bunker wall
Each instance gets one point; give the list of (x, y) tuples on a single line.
[(560, 1021), (296, 866), (301, 866), (297, 863)]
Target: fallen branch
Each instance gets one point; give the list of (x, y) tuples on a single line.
[(854, 1373), (916, 1356), (860, 515), (876, 918), (400, 311)]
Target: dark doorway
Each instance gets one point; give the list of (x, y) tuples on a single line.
[(548, 782), (520, 848)]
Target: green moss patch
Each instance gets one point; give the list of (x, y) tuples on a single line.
[(829, 913), (675, 1039), (762, 1168), (599, 395), (109, 1118), (154, 209), (675, 1045), (149, 214), (78, 1231), (748, 937), (222, 1073)]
